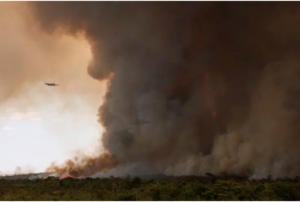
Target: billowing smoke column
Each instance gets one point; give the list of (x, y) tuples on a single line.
[(194, 87)]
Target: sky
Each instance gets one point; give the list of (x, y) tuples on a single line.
[(39, 124)]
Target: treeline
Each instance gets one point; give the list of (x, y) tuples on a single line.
[(168, 188)]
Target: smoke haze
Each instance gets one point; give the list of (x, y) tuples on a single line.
[(194, 87), (40, 125)]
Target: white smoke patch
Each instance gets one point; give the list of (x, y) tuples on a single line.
[(27, 115)]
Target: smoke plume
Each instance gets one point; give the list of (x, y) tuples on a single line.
[(194, 87)]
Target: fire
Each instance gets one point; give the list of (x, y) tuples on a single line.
[(67, 176)]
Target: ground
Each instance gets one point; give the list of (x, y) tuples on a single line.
[(168, 188)]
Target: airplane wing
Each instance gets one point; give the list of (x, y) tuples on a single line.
[(51, 84)]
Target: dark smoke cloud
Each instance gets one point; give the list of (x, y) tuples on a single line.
[(195, 87)]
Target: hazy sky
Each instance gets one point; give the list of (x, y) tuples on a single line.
[(41, 124)]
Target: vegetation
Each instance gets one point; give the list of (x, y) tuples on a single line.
[(168, 188)]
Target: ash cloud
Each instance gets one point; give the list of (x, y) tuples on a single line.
[(194, 87)]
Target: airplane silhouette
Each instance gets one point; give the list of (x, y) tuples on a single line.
[(51, 84)]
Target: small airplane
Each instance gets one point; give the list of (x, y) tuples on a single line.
[(51, 84)]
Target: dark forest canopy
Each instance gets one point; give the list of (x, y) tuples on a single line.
[(170, 188)]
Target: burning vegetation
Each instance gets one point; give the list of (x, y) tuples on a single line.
[(83, 167)]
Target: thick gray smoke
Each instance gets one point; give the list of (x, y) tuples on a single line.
[(195, 87)]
